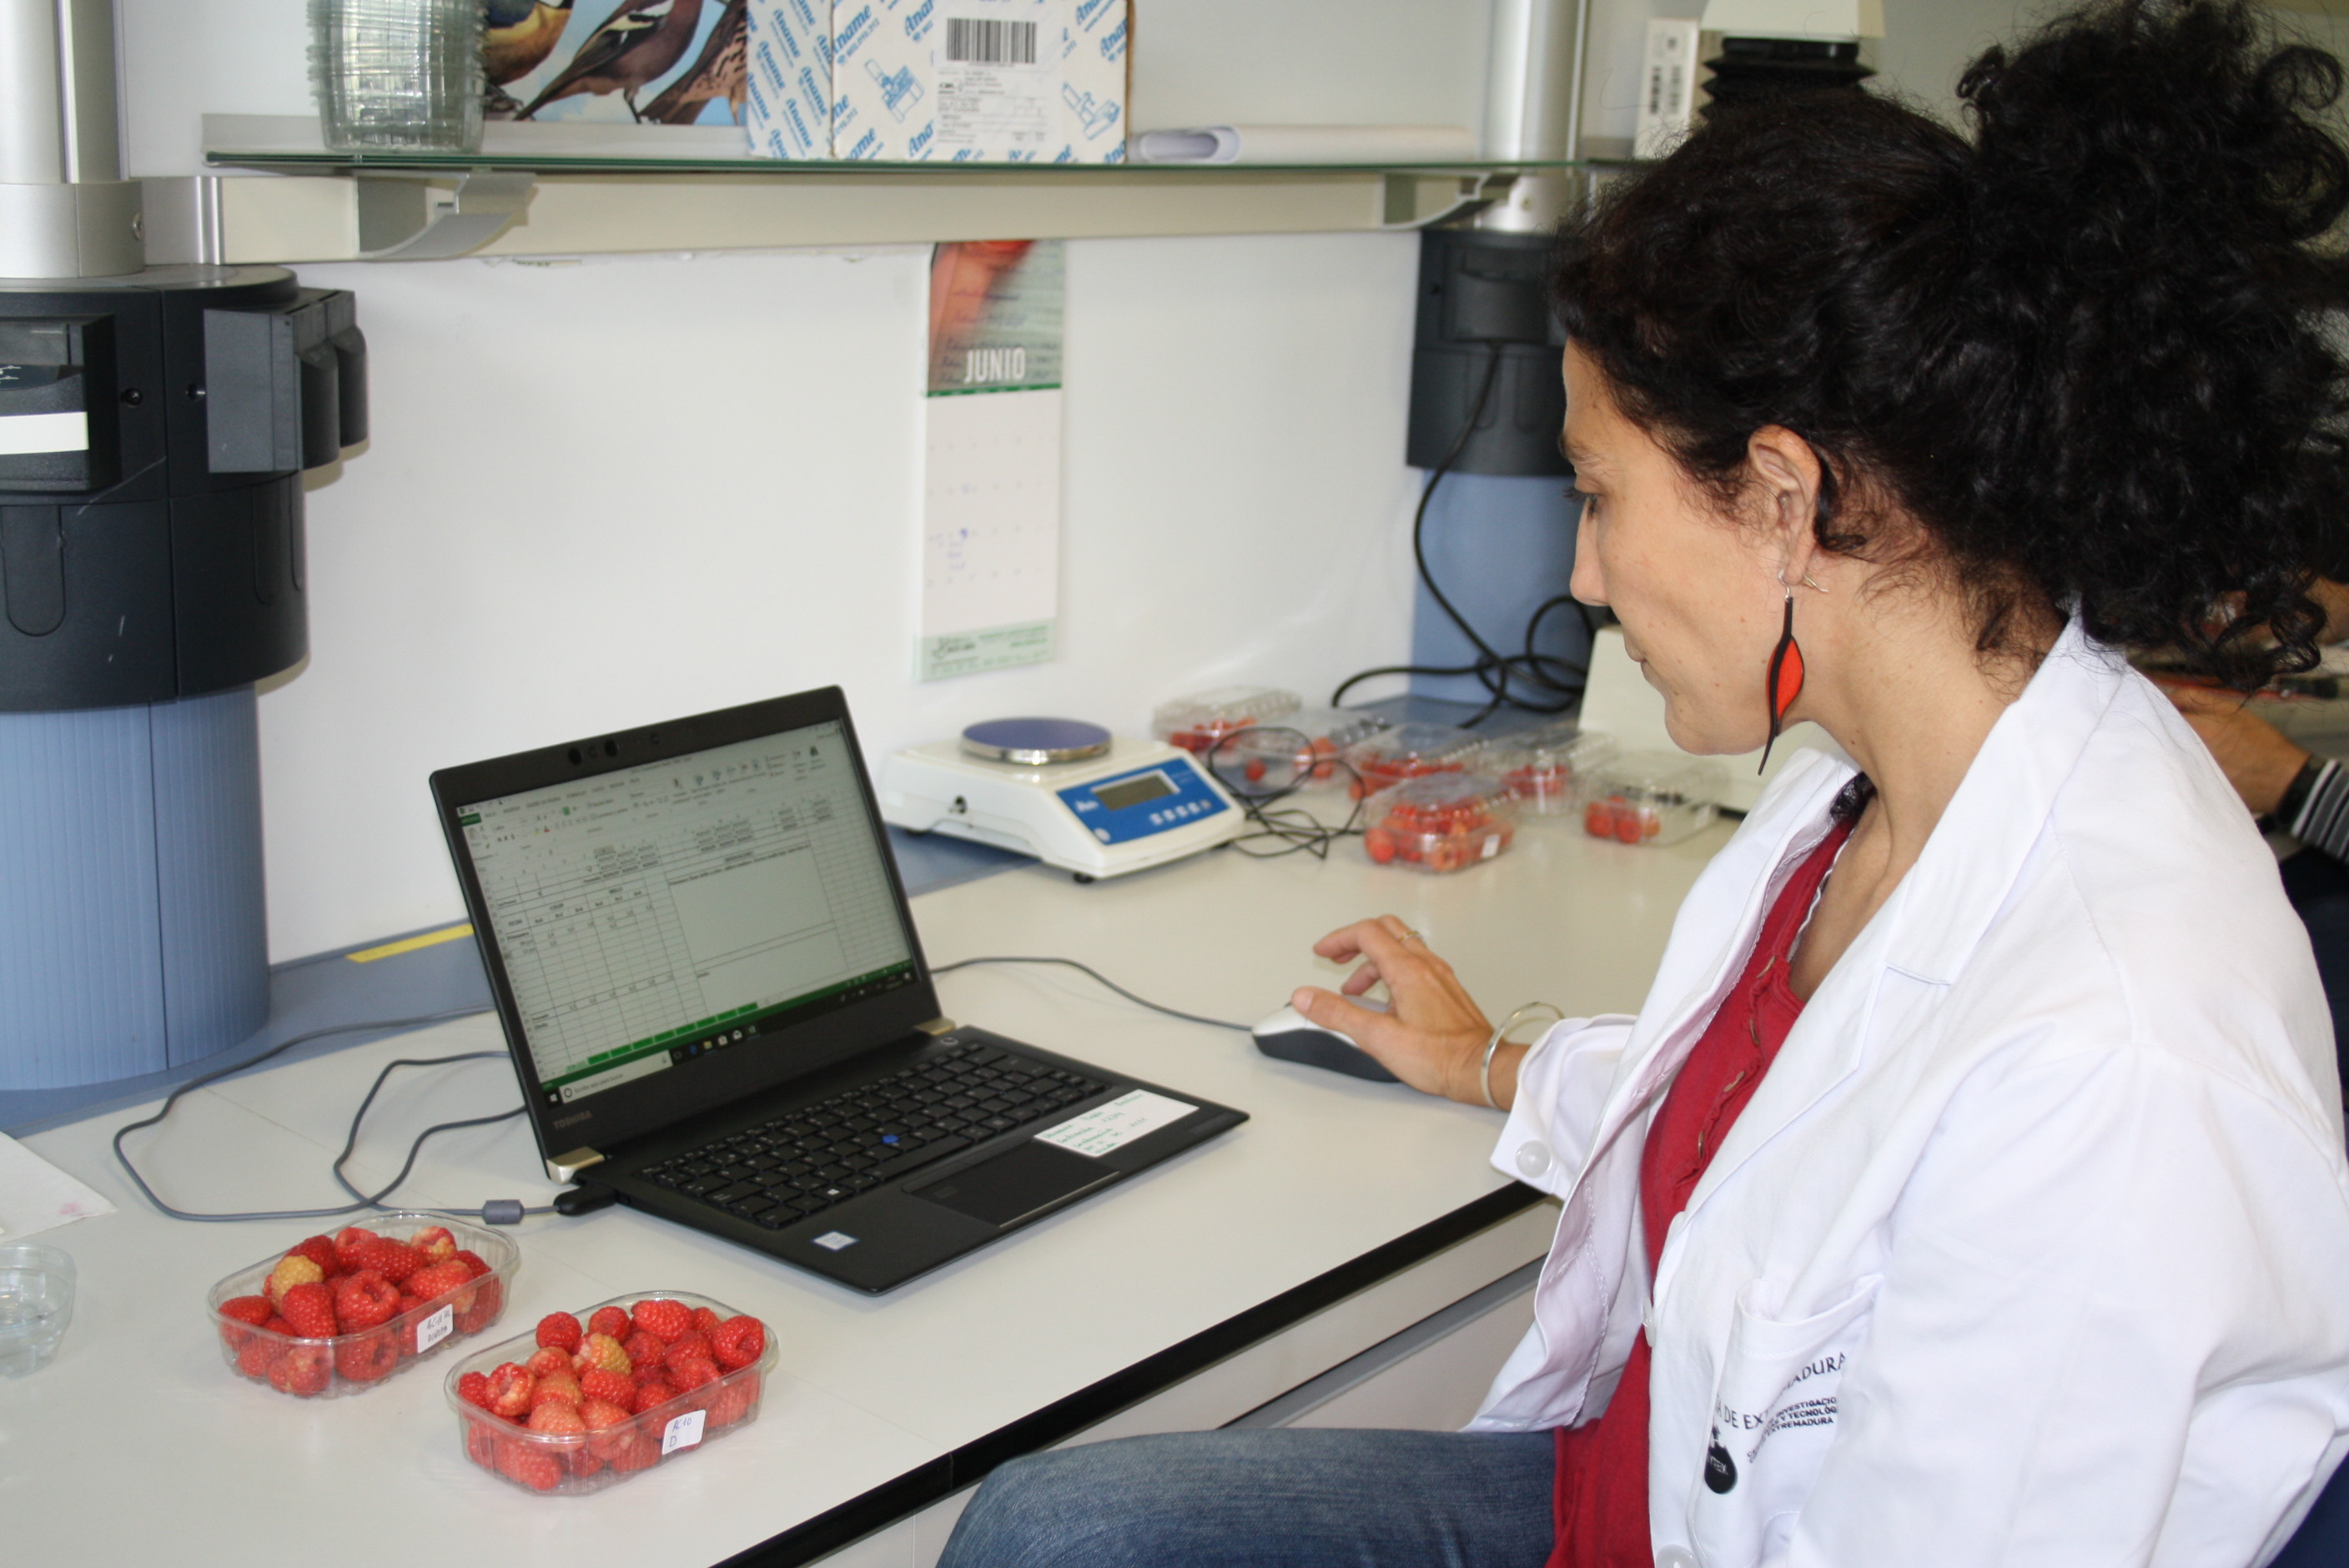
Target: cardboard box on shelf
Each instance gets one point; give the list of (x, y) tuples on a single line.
[(940, 80)]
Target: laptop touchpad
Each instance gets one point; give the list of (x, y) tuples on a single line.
[(1014, 1185)]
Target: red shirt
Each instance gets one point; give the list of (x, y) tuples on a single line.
[(1600, 1501)]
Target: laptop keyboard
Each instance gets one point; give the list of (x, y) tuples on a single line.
[(826, 1153)]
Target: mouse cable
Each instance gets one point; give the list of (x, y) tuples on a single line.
[(498, 1210), (1105, 980), (1546, 672)]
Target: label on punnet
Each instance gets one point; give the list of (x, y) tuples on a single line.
[(682, 1432), (435, 1328)]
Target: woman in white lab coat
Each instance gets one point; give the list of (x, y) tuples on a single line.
[(1971, 1187)]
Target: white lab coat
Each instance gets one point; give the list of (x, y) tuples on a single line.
[(2033, 1247)]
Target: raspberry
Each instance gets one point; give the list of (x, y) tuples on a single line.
[(488, 1297), (310, 1308), (292, 1269), (609, 1387), (603, 1350), (559, 1331), (437, 1280), (557, 1418), (279, 1325), (602, 1416), (475, 1265), (473, 1387), (350, 1243), (365, 1357), (550, 1392), (393, 1260), (609, 1320), (526, 1464), (320, 1250), (651, 1395), (634, 1454), (253, 1309), (259, 1355), (704, 1320), (435, 1242), (546, 1358), (693, 1372), (363, 1300), (664, 1320), (737, 1398), (304, 1370), (687, 1348), (482, 1443), (408, 1304), (739, 1341), (643, 1349), (510, 1387)]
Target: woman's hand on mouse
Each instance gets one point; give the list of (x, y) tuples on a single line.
[(1432, 1037)]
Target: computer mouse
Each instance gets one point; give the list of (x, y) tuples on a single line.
[(1288, 1036)]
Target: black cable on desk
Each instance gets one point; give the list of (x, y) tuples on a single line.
[(1105, 980), (505, 1207)]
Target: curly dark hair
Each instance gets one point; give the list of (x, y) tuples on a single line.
[(2088, 351)]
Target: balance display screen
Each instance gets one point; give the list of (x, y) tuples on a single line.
[(650, 915), (1133, 791)]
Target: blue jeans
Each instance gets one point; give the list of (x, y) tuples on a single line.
[(1280, 1498)]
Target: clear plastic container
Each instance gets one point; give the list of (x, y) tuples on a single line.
[(1410, 751), (1440, 822), (1197, 722), (570, 1465), (329, 1368), (1541, 768), (398, 74), (1295, 752), (36, 1297), (1649, 797)]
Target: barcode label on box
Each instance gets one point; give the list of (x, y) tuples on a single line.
[(972, 40)]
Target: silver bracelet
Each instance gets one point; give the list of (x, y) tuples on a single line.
[(1485, 1074)]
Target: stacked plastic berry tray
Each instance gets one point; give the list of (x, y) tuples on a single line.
[(1649, 797), (338, 1315), (1544, 768), (1294, 752), (1440, 822), (584, 1403), (1197, 722), (1410, 751)]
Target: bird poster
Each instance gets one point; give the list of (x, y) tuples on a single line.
[(617, 62), (991, 507)]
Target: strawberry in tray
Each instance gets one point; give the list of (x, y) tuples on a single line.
[(584, 1402), (337, 1315)]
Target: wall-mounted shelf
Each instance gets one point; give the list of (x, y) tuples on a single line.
[(275, 195)]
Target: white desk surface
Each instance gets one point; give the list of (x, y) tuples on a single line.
[(137, 1444)]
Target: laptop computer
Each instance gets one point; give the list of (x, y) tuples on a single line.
[(702, 956)]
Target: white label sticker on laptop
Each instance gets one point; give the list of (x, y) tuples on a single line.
[(1120, 1122)]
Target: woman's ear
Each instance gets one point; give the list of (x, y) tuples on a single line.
[(1785, 475)]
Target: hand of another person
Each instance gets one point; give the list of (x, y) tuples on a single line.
[(1433, 1037), (2256, 757)]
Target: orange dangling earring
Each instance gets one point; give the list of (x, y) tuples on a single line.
[(1785, 679)]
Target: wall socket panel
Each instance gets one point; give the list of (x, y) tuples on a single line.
[(1668, 89)]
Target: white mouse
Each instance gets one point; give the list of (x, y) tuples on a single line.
[(1290, 1035)]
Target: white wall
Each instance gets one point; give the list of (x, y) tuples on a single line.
[(608, 493)]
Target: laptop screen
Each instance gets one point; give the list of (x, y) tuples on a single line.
[(662, 912)]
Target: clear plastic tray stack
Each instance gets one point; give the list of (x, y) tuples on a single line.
[(1300, 750), (1440, 822), (1411, 751), (1543, 767), (1651, 797), (1197, 722)]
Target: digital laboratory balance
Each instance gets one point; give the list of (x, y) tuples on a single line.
[(1068, 793)]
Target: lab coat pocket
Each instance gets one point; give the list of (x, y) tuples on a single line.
[(1774, 1417)]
